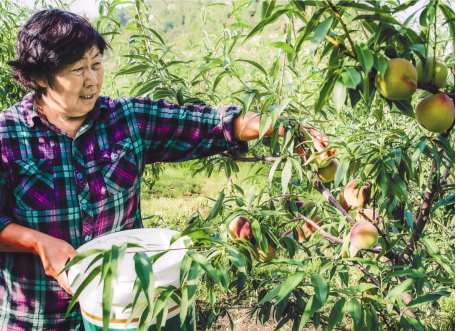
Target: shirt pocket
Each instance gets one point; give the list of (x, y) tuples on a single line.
[(119, 167), (33, 184)]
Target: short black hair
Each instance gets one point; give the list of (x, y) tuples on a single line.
[(49, 41)]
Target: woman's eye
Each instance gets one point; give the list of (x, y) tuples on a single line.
[(78, 69), (97, 64)]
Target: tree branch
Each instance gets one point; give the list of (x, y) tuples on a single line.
[(337, 14)]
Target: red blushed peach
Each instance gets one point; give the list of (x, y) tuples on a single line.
[(435, 112), (317, 220), (343, 202), (304, 233), (240, 228), (356, 197), (364, 235), (320, 141), (399, 81)]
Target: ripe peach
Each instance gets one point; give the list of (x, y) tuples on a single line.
[(435, 112), (317, 220), (364, 235), (320, 142), (265, 257), (356, 197), (399, 81), (435, 73), (327, 174), (240, 228), (366, 215), (343, 202), (304, 233)]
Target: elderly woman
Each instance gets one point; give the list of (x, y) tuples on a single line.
[(72, 162)]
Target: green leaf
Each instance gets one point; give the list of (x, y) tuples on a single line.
[(216, 210), (337, 313), (378, 17), (270, 295), (427, 298), (325, 91), (286, 176), (190, 232), (364, 7), (353, 307), (95, 272), (251, 195), (206, 266), (365, 57), (289, 285), (380, 63), (283, 46), (351, 77), (362, 287), (401, 288), (341, 171), (265, 125), (269, 20), (107, 300), (311, 307), (81, 256), (339, 94), (143, 268), (320, 32), (133, 70), (255, 64), (321, 288)]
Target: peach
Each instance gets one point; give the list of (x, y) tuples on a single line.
[(317, 220), (399, 81), (304, 233), (327, 174), (366, 215), (265, 257), (364, 235), (320, 142), (435, 73), (356, 197), (343, 202), (240, 228), (435, 112)]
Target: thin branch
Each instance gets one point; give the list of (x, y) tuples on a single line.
[(337, 14), (255, 158), (443, 227), (328, 197)]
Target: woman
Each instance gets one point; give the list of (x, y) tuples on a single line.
[(72, 162)]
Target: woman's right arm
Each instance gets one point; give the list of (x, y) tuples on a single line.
[(54, 252)]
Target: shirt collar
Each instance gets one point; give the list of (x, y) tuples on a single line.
[(28, 111)]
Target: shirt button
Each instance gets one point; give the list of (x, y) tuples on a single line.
[(87, 237), (84, 206), (79, 175), (115, 156)]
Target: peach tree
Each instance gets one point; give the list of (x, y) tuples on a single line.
[(355, 227)]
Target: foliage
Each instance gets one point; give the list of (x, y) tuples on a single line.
[(318, 71)]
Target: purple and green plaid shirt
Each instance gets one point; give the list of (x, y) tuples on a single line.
[(79, 189)]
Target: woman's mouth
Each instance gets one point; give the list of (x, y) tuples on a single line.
[(87, 97)]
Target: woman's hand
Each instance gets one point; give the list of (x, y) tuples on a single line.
[(54, 254)]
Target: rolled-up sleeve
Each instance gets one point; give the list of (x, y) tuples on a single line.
[(173, 133)]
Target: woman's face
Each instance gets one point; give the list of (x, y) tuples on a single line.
[(77, 86)]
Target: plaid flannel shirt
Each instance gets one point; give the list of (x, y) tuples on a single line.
[(79, 189)]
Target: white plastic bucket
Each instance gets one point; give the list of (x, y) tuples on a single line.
[(166, 272)]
